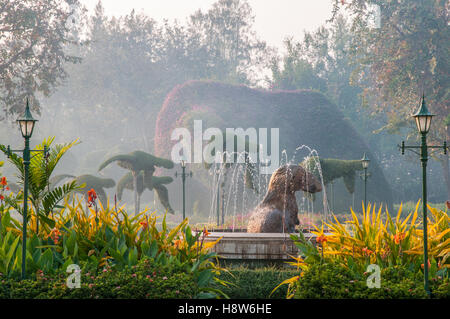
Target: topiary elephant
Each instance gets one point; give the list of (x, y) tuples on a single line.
[(333, 169), (137, 162)]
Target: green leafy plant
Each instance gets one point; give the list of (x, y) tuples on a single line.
[(108, 237), (87, 182), (146, 280), (41, 168)]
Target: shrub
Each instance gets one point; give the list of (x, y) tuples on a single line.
[(107, 237), (343, 256), (146, 280), (332, 280), (386, 242)]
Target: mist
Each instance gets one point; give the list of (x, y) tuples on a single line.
[(110, 97)]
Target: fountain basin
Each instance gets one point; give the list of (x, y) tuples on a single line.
[(255, 246)]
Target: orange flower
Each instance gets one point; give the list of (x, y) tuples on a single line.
[(55, 234), (177, 243), (3, 181), (205, 232), (399, 237), (144, 224), (429, 264), (92, 196), (321, 239), (367, 251), (2, 197)]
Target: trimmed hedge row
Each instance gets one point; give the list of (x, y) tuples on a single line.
[(142, 281), (327, 281), (333, 281)]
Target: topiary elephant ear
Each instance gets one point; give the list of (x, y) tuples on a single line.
[(156, 183), (138, 161), (55, 180), (349, 181), (163, 195), (126, 182)]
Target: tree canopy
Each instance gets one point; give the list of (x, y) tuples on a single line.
[(33, 34), (400, 59)]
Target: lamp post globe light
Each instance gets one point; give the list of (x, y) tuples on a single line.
[(423, 119), (365, 164), (26, 125)]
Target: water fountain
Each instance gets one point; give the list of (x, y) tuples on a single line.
[(236, 243)]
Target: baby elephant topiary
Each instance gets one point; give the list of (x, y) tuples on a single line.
[(280, 203)]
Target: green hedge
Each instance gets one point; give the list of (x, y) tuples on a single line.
[(255, 283), (332, 281), (142, 281)]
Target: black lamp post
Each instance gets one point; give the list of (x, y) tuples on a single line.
[(183, 180), (26, 124), (423, 122), (365, 164)]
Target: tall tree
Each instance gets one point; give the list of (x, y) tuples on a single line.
[(129, 66), (322, 61), (32, 38), (406, 55), (232, 45)]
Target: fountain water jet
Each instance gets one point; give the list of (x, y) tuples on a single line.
[(237, 243)]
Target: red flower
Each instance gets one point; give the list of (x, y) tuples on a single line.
[(429, 265), (144, 224), (177, 244), (54, 234), (367, 251), (399, 237), (321, 239), (448, 204), (3, 181), (92, 196), (2, 197)]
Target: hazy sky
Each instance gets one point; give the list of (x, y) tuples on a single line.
[(274, 19)]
